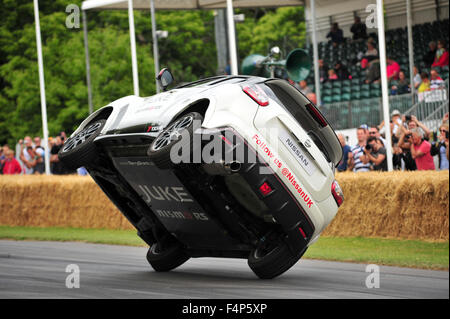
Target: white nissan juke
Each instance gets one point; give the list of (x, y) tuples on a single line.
[(228, 166)]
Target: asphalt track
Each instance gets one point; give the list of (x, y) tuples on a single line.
[(38, 270)]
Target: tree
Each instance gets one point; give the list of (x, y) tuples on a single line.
[(189, 52), (284, 27)]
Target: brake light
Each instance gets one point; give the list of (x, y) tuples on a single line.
[(315, 113), (302, 232), (257, 94), (337, 192), (265, 189)]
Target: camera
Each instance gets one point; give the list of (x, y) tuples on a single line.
[(446, 134), (408, 118), (407, 136), (368, 147)]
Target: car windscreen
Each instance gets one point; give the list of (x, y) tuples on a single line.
[(308, 116)]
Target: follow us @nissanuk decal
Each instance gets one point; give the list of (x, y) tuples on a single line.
[(285, 171)]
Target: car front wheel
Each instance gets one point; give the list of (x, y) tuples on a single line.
[(181, 132), (79, 150)]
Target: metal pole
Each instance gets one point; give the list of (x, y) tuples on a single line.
[(155, 43), (232, 38), (384, 83), (88, 64), (315, 53), (42, 87), (410, 49), (133, 48), (221, 40)]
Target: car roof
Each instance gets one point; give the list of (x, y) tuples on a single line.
[(215, 80)]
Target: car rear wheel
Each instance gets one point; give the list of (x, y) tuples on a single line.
[(181, 131), (79, 150), (271, 259), (166, 258)]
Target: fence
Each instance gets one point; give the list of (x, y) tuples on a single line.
[(349, 114), (430, 108)]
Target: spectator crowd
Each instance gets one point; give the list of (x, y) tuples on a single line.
[(413, 146), (28, 157), (436, 58)]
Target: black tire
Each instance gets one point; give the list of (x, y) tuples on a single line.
[(159, 150), (170, 258), (267, 264), (80, 150)]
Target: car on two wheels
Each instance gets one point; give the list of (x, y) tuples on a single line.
[(228, 166)]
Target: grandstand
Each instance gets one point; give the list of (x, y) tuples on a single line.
[(352, 102)]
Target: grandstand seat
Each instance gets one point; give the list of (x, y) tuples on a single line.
[(375, 93), (327, 99), (326, 91), (375, 86), (337, 84), (346, 97), (336, 98), (336, 91), (346, 89), (355, 95), (354, 82), (328, 85), (365, 94)]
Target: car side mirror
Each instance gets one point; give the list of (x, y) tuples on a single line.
[(165, 78)]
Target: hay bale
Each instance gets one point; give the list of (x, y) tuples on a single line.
[(65, 201), (405, 205)]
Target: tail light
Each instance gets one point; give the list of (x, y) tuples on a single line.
[(315, 113), (337, 192), (257, 94), (265, 189)]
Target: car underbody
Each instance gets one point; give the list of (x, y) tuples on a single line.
[(213, 210)]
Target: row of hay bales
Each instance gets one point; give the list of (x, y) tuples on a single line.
[(406, 205)]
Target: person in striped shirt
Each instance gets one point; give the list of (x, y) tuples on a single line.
[(355, 161)]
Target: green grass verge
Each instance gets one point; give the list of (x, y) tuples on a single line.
[(405, 253), (97, 236), (394, 252)]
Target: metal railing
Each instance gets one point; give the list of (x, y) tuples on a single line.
[(349, 114), (431, 107), (434, 120)]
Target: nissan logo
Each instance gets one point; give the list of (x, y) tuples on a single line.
[(307, 143)]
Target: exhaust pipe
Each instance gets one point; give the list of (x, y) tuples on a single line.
[(233, 166), (222, 168)]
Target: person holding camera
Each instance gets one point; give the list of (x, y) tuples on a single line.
[(412, 122), (441, 147), (419, 147), (405, 142), (375, 154), (355, 162)]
